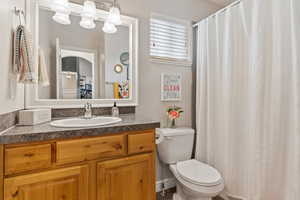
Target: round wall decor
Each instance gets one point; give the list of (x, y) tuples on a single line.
[(118, 68)]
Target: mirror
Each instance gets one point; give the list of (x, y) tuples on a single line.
[(76, 64), (81, 63)]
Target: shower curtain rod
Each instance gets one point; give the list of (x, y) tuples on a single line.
[(219, 12)]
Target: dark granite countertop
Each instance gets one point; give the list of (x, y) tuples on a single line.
[(43, 132)]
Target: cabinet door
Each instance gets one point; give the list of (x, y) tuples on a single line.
[(128, 178), (62, 184)]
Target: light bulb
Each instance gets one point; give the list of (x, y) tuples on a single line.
[(88, 15), (62, 11), (87, 23), (109, 28), (114, 16), (62, 18)]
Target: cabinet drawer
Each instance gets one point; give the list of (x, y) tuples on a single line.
[(143, 142), (20, 159), (89, 149)]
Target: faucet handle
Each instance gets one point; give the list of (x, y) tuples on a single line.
[(87, 106), (88, 111)]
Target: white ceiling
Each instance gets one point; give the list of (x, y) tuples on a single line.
[(222, 2)]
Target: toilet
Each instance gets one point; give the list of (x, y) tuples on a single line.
[(194, 180)]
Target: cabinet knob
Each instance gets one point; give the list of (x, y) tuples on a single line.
[(118, 146), (14, 195), (29, 154)]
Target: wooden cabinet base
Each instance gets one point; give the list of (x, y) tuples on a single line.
[(62, 184), (116, 167), (126, 179)]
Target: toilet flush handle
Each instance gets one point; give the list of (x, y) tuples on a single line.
[(159, 138)]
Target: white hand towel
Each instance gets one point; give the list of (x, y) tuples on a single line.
[(43, 74)]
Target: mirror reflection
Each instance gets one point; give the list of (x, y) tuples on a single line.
[(79, 63)]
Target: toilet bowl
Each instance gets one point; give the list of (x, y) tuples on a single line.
[(194, 180)]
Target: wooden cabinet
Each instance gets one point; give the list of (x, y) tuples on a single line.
[(20, 159), (62, 184), (139, 143), (129, 178), (90, 149), (110, 167)]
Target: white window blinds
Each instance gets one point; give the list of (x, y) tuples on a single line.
[(169, 40)]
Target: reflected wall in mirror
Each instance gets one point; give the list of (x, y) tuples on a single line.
[(80, 63)]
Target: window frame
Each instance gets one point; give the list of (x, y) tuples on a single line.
[(165, 60)]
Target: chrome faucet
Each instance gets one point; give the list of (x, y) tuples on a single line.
[(88, 111)]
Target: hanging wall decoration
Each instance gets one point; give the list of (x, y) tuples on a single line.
[(170, 87)]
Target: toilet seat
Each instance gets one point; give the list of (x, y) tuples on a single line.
[(193, 188), (198, 173)]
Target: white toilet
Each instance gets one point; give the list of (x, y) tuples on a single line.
[(195, 180)]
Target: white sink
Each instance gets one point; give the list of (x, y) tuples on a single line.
[(81, 122)]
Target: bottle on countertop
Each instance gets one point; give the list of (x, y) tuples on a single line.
[(115, 110)]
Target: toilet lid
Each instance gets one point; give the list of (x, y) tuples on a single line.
[(198, 173)]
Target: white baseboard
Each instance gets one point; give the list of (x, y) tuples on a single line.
[(168, 183), (232, 197), (227, 196)]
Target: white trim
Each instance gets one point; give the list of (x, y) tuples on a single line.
[(168, 183), (170, 62), (232, 197), (31, 95)]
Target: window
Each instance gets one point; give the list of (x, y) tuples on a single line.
[(170, 40)]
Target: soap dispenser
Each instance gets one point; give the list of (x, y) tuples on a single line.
[(115, 110)]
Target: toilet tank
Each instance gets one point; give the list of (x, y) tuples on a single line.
[(175, 144)]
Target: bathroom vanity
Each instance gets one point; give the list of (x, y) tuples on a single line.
[(79, 66), (115, 162)]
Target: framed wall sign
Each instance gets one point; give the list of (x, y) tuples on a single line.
[(170, 87)]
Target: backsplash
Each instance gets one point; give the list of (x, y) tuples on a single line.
[(8, 120), (75, 112)]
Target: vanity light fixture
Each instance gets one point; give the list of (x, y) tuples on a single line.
[(88, 15), (113, 19), (114, 16), (109, 28), (62, 11)]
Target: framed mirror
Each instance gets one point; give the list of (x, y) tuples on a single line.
[(78, 65)]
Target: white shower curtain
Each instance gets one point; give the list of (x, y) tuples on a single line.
[(248, 89)]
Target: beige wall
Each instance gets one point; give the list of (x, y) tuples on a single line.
[(149, 73), (11, 93)]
